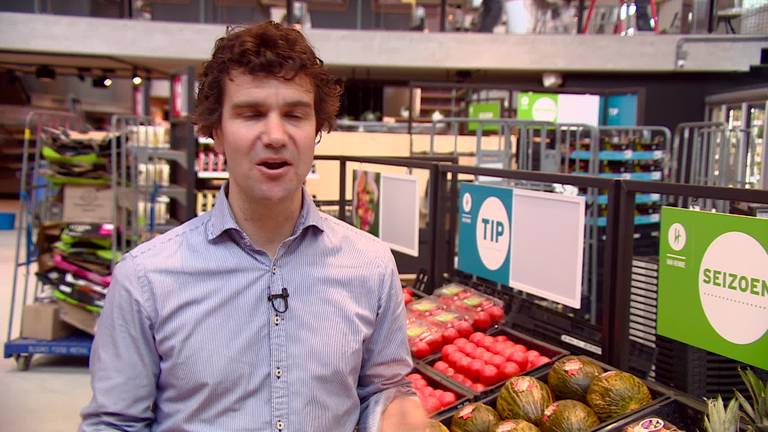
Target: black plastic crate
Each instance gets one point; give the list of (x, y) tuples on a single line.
[(545, 349), (685, 413), (463, 395)]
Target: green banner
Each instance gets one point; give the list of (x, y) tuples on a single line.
[(713, 283), (537, 106), (484, 110)]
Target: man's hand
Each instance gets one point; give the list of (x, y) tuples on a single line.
[(404, 414)]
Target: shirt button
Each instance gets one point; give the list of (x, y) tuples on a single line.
[(280, 425), (276, 320), (278, 372), (274, 270)]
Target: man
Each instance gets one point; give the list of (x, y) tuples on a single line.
[(263, 314)]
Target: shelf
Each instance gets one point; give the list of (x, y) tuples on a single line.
[(213, 175), (639, 199), (618, 155), (639, 220)]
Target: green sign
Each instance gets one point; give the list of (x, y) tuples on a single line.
[(484, 110), (713, 283), (537, 106)]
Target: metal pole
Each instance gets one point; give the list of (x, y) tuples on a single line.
[(290, 19), (618, 319), (580, 16), (436, 212), (343, 190), (443, 14)]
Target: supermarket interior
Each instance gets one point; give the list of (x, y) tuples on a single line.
[(466, 132)]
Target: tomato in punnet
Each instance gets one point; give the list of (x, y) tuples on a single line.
[(521, 348), (459, 378), (482, 321), (489, 375), (508, 370), (496, 313), (450, 372), (447, 399), (484, 355), (463, 365), (476, 337), (505, 352), (420, 349), (464, 328), (450, 335), (441, 366), (487, 342), (532, 354), (446, 350), (407, 298), (496, 360), (413, 376), (501, 339), (469, 349), (496, 348)]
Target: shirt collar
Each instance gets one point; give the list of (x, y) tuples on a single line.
[(222, 219)]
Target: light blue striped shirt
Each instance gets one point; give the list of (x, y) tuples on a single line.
[(188, 341)]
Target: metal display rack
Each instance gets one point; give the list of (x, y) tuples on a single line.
[(37, 204)]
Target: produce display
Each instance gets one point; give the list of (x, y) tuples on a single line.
[(432, 399), (524, 398), (515, 426), (571, 376), (483, 361), (615, 393), (568, 416), (453, 312), (475, 417)]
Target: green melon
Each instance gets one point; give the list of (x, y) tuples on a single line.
[(524, 398), (515, 426), (571, 376), (436, 426), (615, 393), (568, 416), (475, 417)]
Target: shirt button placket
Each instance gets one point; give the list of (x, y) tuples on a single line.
[(279, 356)]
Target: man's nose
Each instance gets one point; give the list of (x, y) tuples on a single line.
[(275, 130)]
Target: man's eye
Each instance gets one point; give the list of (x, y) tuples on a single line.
[(251, 115), (295, 115)]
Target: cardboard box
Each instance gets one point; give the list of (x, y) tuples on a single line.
[(78, 317), (43, 321), (87, 204)]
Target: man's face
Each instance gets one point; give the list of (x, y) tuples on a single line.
[(267, 133)]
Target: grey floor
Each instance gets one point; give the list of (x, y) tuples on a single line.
[(48, 397)]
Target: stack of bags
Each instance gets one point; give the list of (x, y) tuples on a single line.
[(76, 158), (82, 265)]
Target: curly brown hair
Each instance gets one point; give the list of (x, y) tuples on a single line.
[(264, 49)]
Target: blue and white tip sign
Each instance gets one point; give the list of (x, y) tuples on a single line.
[(485, 231)]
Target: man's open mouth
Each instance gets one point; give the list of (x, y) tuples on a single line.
[(274, 165)]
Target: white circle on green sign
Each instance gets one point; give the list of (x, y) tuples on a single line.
[(733, 287), (676, 236), (466, 202), (492, 233), (544, 109)]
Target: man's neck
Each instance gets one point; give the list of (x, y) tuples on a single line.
[(267, 224)]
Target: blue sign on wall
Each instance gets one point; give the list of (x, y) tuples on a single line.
[(485, 231), (621, 110)]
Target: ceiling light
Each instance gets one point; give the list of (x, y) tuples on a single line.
[(137, 79), (102, 81), (45, 73)]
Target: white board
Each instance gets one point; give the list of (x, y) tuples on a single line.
[(399, 213)]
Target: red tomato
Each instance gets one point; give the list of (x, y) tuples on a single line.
[(485, 357), (532, 354), (459, 378), (477, 388), (496, 313), (488, 341), (407, 298), (509, 370), (482, 321), (495, 348), (460, 342), (474, 369), (414, 376), (540, 360), (420, 385), (435, 342), (505, 352), (469, 349), (420, 349), (448, 349), (520, 359), (489, 375), (432, 405), (454, 358), (476, 337), (496, 360), (449, 335), (441, 366), (450, 372), (521, 348), (447, 399), (480, 352), (463, 365), (464, 328)]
